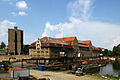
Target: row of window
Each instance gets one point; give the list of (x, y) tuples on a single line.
[(42, 48), (42, 51), (39, 55), (39, 51)]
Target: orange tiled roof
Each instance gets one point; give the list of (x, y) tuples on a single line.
[(94, 48), (84, 43), (69, 40), (101, 48), (87, 42)]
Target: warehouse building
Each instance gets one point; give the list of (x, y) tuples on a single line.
[(48, 47)]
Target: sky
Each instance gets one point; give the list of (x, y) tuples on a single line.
[(95, 20)]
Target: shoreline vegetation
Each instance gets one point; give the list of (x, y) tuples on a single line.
[(102, 77), (108, 77)]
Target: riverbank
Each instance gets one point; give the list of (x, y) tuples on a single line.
[(62, 75), (107, 77)]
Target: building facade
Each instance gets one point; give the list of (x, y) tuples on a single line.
[(85, 48), (48, 47), (15, 41), (74, 43), (70, 47)]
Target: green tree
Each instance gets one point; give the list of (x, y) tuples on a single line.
[(116, 50), (26, 49), (107, 52), (2, 45)]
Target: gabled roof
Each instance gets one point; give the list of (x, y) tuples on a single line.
[(95, 48), (69, 40), (84, 43), (87, 42), (48, 41), (101, 48), (33, 44), (53, 40)]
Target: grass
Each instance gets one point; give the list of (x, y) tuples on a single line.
[(108, 77)]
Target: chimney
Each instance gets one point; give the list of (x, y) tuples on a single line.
[(15, 27)]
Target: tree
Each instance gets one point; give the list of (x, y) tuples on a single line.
[(116, 50), (26, 49), (107, 52), (2, 45)]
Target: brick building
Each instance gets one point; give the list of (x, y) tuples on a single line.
[(48, 47), (15, 41), (74, 43), (96, 51), (85, 48)]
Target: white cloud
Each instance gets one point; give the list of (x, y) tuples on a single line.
[(81, 9), (21, 13), (116, 41), (4, 25), (13, 13), (22, 5), (102, 34)]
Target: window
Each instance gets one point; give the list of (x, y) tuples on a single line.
[(38, 41), (46, 55), (38, 51), (46, 51), (38, 48), (42, 51), (38, 44)]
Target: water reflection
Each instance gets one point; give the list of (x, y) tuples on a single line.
[(112, 68), (116, 65)]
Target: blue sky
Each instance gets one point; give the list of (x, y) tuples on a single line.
[(96, 20)]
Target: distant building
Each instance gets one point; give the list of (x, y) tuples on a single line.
[(15, 41), (3, 51), (96, 51)]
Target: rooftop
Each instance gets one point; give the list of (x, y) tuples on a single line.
[(84, 43)]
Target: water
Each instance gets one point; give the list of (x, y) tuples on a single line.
[(112, 68)]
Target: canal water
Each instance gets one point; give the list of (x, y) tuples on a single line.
[(112, 68)]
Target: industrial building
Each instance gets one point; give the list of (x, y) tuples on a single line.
[(15, 41), (48, 47)]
